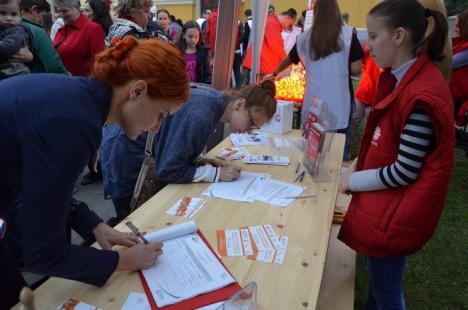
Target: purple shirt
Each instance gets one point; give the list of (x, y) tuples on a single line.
[(191, 63)]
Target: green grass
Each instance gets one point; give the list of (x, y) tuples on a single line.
[(437, 276)]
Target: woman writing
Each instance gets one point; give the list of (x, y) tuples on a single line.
[(400, 180), (50, 125), (183, 162)]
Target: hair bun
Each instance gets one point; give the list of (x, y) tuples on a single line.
[(269, 87), (119, 47)]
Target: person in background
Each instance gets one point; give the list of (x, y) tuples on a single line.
[(458, 82), (290, 32), (407, 151), (244, 43), (301, 20), (364, 95), (58, 23), (133, 17), (15, 38), (272, 49), (197, 56), (50, 125), (330, 53), (164, 21), (98, 12), (203, 18), (345, 17), (175, 30), (33, 15), (271, 9), (47, 22), (211, 29), (79, 40), (183, 162)]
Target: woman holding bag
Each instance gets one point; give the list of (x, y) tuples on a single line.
[(49, 127)]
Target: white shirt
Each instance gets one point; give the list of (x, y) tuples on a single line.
[(289, 38)]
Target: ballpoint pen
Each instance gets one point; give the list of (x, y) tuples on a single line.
[(134, 229), (301, 197)]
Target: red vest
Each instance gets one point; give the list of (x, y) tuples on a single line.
[(399, 221)]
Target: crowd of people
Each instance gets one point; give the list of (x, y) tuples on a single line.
[(101, 82)]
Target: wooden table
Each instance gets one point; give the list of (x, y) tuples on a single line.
[(307, 222)]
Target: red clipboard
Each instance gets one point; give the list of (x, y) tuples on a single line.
[(197, 301)]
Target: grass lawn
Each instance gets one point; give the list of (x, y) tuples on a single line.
[(437, 276)]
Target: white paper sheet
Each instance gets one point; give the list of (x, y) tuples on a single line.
[(266, 160), (279, 142), (186, 269), (280, 253), (238, 190), (136, 301), (171, 232), (275, 192), (254, 138), (73, 304), (212, 306)]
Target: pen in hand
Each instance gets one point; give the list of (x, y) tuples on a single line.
[(135, 230)]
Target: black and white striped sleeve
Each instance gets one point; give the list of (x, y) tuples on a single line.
[(416, 142)]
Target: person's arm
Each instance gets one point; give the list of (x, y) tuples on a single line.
[(97, 40), (54, 152), (415, 144), (208, 70), (11, 43), (46, 53)]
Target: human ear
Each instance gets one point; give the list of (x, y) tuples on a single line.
[(399, 36), (138, 89), (240, 103)]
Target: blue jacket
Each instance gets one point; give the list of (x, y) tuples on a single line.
[(50, 125), (182, 137)]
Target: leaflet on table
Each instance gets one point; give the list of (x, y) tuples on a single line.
[(314, 148), (253, 138), (275, 192), (259, 243), (266, 160), (136, 301), (73, 304), (279, 142), (238, 190), (232, 153), (187, 268), (186, 207)]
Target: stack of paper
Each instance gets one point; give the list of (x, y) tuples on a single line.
[(186, 207), (253, 138), (253, 186), (266, 160), (187, 268), (259, 243), (232, 153)]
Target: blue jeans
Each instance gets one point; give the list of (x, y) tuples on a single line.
[(386, 283)]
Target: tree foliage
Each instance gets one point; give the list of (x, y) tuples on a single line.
[(455, 7)]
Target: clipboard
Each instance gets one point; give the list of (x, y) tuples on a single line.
[(199, 300)]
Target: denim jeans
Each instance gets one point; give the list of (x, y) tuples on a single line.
[(386, 283)]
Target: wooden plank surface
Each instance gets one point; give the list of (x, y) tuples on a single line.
[(307, 222), (337, 289)]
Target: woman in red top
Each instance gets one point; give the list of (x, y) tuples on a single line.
[(78, 40), (401, 178), (459, 79)]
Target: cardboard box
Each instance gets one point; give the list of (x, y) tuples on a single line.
[(281, 122)]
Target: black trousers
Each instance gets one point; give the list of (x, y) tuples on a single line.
[(11, 280)]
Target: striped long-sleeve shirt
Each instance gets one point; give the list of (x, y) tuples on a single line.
[(416, 142)]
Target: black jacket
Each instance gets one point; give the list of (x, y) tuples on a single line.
[(204, 67)]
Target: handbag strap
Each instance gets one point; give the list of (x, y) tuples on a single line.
[(143, 171)]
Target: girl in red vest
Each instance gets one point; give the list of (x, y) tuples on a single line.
[(401, 177)]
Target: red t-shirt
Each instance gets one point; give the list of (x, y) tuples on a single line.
[(78, 43)]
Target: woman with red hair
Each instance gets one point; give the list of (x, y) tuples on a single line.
[(50, 125)]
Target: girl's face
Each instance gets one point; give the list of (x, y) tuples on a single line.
[(191, 37), (381, 42), (163, 20), (244, 120), (140, 112), (457, 27), (88, 11)]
